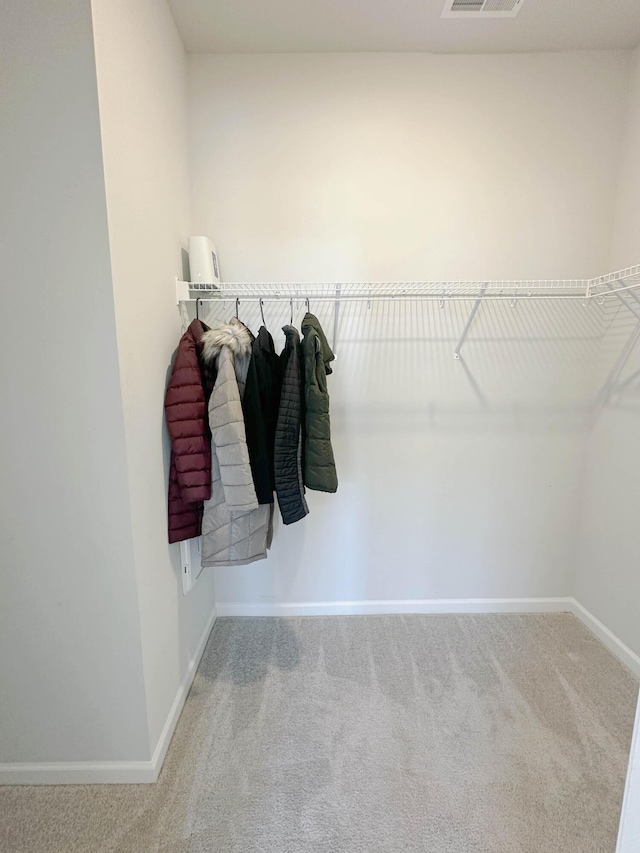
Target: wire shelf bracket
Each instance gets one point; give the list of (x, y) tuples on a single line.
[(469, 323)]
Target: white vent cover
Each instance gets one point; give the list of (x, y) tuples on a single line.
[(481, 8)]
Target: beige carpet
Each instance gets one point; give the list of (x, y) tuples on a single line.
[(376, 734)]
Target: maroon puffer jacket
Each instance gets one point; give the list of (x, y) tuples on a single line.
[(186, 411)]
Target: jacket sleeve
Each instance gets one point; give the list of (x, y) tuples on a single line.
[(188, 428), (185, 519), (228, 438)]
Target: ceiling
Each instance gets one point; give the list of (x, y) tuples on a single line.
[(301, 26)]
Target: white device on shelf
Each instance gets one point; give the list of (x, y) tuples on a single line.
[(203, 260)]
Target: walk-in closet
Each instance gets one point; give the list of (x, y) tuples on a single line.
[(319, 428)]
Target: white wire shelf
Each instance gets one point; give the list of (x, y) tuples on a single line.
[(619, 285), (615, 282), (586, 289)]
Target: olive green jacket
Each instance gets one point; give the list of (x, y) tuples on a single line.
[(319, 467)]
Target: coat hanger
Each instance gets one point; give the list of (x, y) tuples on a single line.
[(197, 311), (237, 309), (291, 320), (308, 308), (262, 313)]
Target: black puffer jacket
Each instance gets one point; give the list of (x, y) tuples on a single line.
[(260, 407), (288, 437), (319, 466)]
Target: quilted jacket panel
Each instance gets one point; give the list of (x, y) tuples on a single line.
[(235, 529), (319, 464), (288, 435)]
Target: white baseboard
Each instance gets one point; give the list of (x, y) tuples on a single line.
[(77, 773), (111, 772), (628, 657), (440, 605), (425, 605)]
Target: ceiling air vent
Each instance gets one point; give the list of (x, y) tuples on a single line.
[(481, 8)]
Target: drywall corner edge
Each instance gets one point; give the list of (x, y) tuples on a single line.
[(112, 772), (629, 831), (168, 729)]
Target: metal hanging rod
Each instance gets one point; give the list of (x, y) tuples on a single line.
[(383, 290), (402, 297)]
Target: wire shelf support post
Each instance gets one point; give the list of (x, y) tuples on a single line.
[(336, 318)]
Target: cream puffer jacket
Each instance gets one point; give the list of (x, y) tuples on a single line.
[(235, 529)]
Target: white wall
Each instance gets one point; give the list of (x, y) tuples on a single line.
[(626, 235), (71, 684), (141, 69), (607, 576), (456, 480)]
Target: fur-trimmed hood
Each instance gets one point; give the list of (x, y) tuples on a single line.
[(234, 335)]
